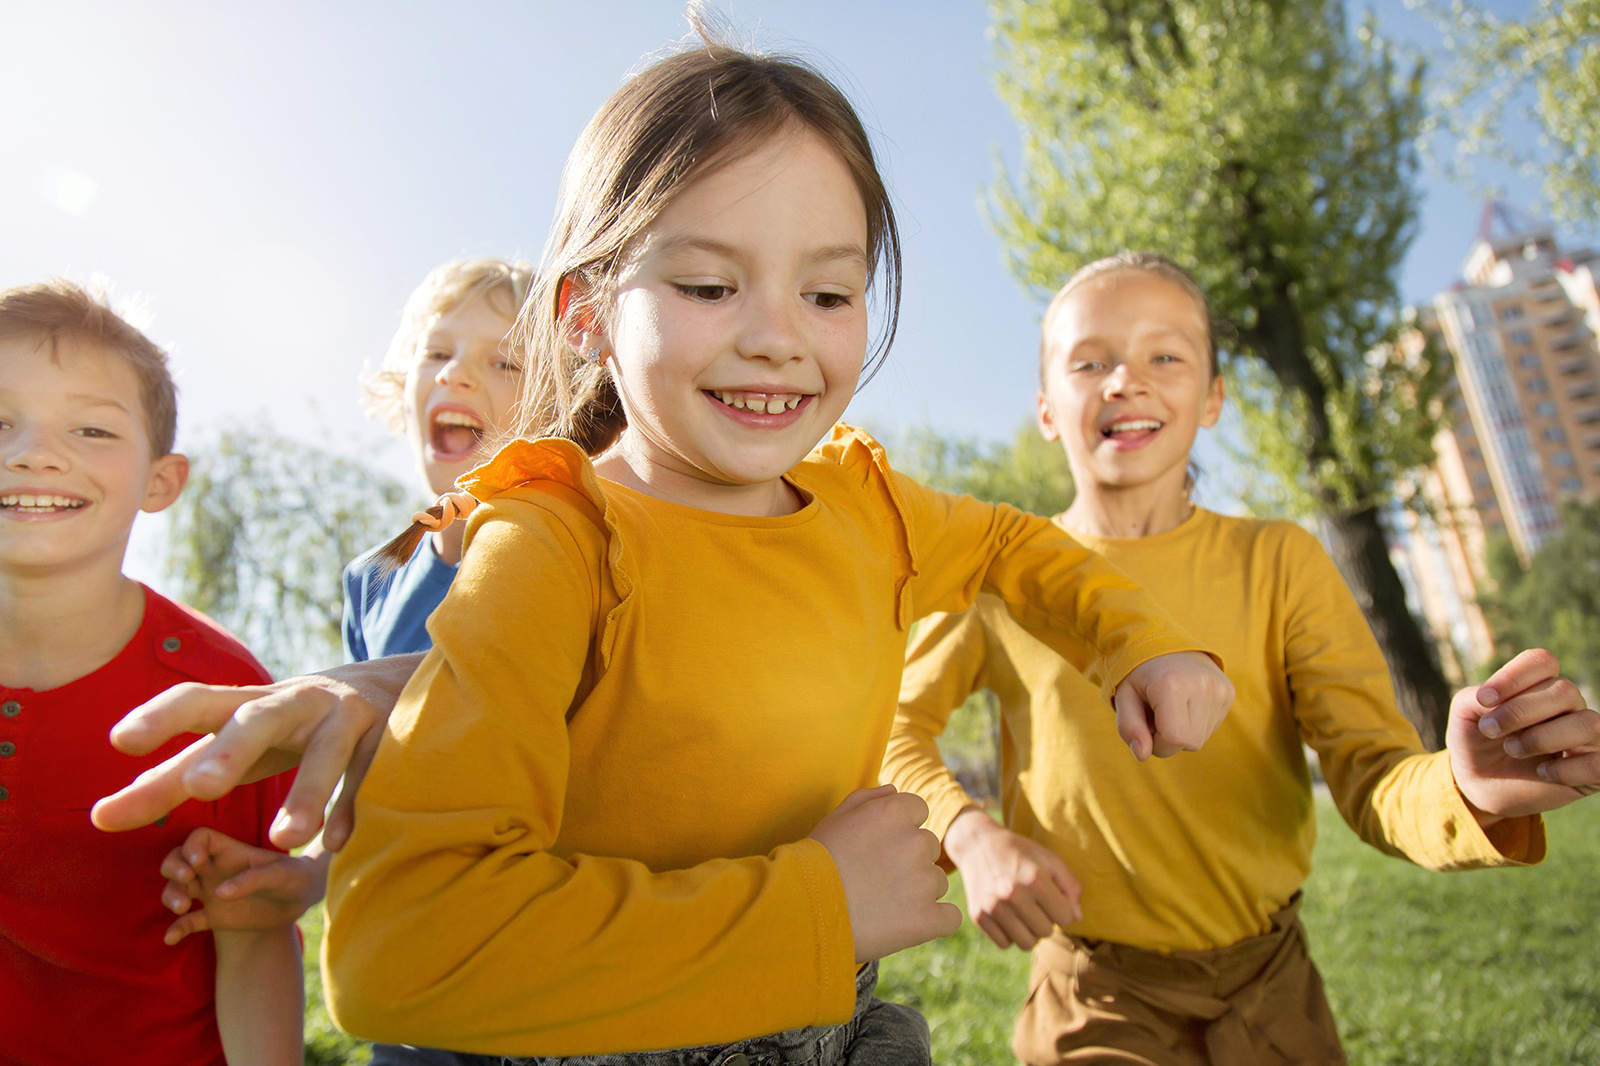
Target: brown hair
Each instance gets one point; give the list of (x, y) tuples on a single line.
[(1138, 262), (502, 282), (52, 309), (665, 128)]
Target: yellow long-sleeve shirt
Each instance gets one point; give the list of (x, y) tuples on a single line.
[(585, 829), (1198, 851)]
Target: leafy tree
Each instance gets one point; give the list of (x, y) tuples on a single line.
[(1555, 602), (263, 530), (1542, 73), (1030, 472), (1272, 153)]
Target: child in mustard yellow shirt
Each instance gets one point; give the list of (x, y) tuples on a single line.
[(627, 803), (1159, 900)]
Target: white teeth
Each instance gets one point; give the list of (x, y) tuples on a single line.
[(457, 418), (759, 403), (1133, 426), (40, 504)]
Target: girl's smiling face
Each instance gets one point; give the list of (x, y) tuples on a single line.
[(1128, 381), (740, 327)]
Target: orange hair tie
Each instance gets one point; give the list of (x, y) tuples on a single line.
[(452, 505)]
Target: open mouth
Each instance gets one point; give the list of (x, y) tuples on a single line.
[(761, 403), (33, 503), (455, 433), (1130, 429)]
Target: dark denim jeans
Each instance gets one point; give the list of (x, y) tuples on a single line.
[(878, 1034)]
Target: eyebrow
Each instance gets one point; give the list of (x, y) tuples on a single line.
[(827, 254), (91, 400)]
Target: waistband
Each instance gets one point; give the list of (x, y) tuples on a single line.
[(1220, 970), (813, 1045)]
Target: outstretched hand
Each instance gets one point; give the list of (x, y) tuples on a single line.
[(329, 724), (1523, 742), (1171, 703), (238, 886)]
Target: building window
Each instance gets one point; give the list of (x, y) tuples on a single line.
[(1545, 409), (1510, 312), (1570, 484), (1522, 337), (1481, 479), (1563, 459), (1538, 385), (1529, 360), (1475, 452), (1555, 435)]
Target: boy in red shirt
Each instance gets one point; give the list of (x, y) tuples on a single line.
[(87, 419)]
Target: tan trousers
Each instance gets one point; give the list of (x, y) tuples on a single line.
[(1256, 1003)]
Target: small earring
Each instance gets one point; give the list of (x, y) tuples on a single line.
[(593, 355)]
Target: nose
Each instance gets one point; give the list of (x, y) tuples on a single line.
[(771, 329), (33, 449), (1125, 380), (457, 371)]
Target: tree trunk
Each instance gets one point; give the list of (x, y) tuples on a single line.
[(1356, 539), (1358, 547)]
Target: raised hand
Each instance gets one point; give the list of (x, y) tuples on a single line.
[(239, 887), (1018, 890), (329, 724), (886, 861), (1523, 742), (1171, 703)]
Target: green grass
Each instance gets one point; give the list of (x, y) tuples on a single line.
[(1484, 968)]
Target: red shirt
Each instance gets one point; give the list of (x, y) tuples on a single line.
[(84, 976)]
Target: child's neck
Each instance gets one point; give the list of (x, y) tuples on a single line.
[(448, 541), (1134, 511), (633, 469), (57, 628)]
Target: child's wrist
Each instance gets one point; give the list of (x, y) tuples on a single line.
[(966, 832)]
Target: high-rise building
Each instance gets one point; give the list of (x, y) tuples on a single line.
[(1524, 426)]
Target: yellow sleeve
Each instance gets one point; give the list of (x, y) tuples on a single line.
[(452, 923), (946, 662), (1061, 592), (1397, 797)]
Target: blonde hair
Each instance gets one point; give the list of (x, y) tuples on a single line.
[(52, 309), (1132, 262), (665, 128), (504, 283)]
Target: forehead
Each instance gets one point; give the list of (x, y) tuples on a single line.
[(65, 364), (794, 177), (477, 318), (1125, 305)]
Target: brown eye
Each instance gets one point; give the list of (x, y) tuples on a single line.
[(708, 293)]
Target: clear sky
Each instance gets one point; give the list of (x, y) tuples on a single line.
[(273, 179)]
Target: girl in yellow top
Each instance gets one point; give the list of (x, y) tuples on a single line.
[(1187, 949), (626, 802)]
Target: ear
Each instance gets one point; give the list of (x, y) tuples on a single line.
[(1215, 395), (1046, 419), (168, 475), (583, 334)]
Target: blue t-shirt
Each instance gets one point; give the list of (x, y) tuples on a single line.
[(389, 616)]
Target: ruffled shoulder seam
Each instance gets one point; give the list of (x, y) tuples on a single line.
[(856, 450), (523, 463)]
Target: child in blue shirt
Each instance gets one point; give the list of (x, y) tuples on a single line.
[(446, 383)]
